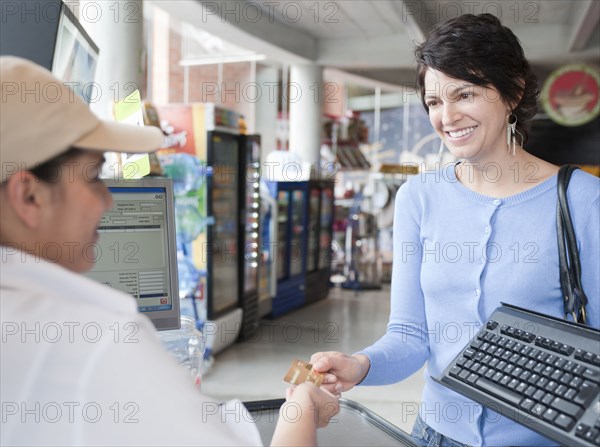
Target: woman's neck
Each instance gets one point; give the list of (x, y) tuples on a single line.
[(505, 175)]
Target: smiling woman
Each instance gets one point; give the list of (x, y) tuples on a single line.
[(499, 202)]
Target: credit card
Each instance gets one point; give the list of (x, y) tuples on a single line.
[(300, 372)]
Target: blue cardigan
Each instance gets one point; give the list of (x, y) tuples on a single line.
[(457, 255)]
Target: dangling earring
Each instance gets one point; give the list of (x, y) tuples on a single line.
[(511, 130)]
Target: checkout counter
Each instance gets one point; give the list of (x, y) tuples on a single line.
[(354, 425)]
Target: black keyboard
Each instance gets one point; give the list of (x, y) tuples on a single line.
[(539, 371)]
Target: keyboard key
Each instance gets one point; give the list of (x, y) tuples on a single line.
[(521, 388), (552, 385), (566, 378), (570, 366), (592, 374), (567, 408), (491, 325), (549, 415), (524, 361), (526, 350), (530, 391), (528, 337), (561, 390), (548, 398), (564, 422), (578, 370), (524, 376), (591, 435), (472, 379), (576, 383), (527, 404), (499, 391), (497, 377), (560, 363), (468, 353), (570, 394), (533, 379), (566, 349), (581, 430), (538, 410), (586, 394), (538, 396), (476, 344), (454, 371)]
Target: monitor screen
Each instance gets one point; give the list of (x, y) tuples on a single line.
[(75, 56), (136, 252)]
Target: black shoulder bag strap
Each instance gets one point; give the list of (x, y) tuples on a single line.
[(570, 266)]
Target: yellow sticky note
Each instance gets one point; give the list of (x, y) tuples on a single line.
[(129, 110)]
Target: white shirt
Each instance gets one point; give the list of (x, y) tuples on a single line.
[(81, 366)]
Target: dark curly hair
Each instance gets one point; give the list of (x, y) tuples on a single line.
[(478, 49)]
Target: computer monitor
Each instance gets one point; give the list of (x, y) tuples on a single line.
[(48, 33), (75, 55), (136, 252)]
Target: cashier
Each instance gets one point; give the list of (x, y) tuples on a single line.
[(80, 365)]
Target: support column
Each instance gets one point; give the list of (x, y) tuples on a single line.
[(267, 79), (118, 30), (305, 95)]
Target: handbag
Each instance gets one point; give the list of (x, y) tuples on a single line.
[(575, 299)]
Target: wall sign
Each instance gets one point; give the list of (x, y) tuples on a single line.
[(571, 95)]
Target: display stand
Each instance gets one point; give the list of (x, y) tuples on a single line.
[(354, 425), (362, 267), (320, 235)]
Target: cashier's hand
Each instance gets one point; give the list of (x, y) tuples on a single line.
[(311, 402), (342, 371)]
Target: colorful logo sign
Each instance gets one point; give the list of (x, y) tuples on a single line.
[(571, 95)]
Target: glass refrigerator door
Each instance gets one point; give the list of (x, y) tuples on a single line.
[(252, 219), (326, 227), (296, 256), (313, 230), (223, 244), (281, 261)]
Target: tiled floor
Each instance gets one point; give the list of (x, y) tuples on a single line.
[(346, 321)]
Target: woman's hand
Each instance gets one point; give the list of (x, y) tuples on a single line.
[(342, 371)]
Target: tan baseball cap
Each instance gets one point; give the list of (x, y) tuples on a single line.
[(40, 118)]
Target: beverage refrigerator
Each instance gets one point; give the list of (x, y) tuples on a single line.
[(290, 244), (210, 134), (250, 229), (222, 251), (320, 235)]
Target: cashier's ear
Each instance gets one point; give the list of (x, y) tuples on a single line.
[(27, 198)]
